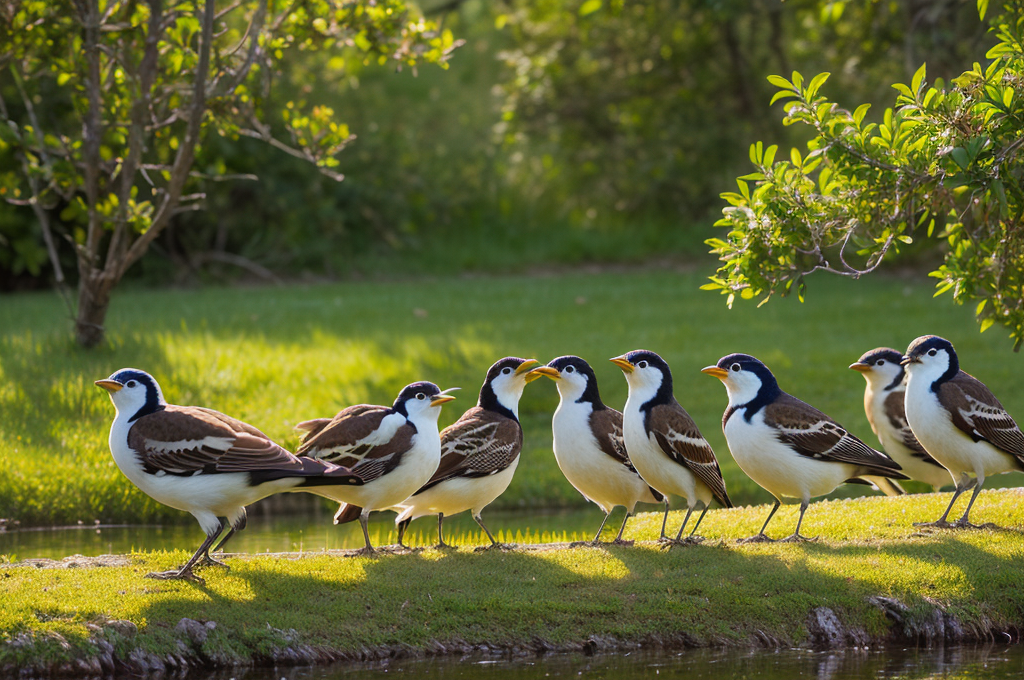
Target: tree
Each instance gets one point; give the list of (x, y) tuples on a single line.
[(113, 99), (944, 163)]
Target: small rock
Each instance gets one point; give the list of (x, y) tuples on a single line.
[(193, 630)]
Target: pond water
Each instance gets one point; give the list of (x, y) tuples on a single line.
[(303, 532), (974, 663)]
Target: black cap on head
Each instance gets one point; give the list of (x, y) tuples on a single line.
[(488, 398), (416, 390), (570, 363), (872, 357)]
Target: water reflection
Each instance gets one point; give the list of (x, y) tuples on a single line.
[(309, 532), (975, 663)]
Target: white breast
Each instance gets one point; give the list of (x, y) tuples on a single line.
[(599, 477), (458, 495), (654, 465), (933, 426), (776, 467), (892, 441)]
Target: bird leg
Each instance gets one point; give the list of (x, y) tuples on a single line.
[(597, 536), (441, 545), (494, 544), (963, 522), (210, 561), (762, 537), (679, 536), (664, 520), (964, 484), (693, 537), (797, 537), (618, 539), (186, 573), (402, 526), (368, 550)]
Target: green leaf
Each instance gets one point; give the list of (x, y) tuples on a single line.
[(986, 324), (959, 155), (779, 81), (589, 7), (981, 306), (982, 8), (915, 84)]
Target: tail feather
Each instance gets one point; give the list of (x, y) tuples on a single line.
[(310, 428), (887, 486), (312, 472), (347, 513)]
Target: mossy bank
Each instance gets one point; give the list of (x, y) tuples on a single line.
[(870, 578)]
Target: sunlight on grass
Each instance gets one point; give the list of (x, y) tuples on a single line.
[(277, 356)]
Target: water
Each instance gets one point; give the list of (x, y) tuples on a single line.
[(303, 532), (893, 663)]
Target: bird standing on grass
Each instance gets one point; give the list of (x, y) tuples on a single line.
[(883, 403), (588, 443), (479, 454), (664, 443), (790, 448), (959, 421), (201, 461), (391, 450)]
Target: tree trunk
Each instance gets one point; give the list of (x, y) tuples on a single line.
[(93, 301)]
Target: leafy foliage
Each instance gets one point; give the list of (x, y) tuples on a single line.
[(113, 102), (945, 163)]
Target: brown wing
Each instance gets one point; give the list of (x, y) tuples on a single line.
[(977, 412), (679, 437), (362, 439), (181, 440), (811, 433), (895, 413), (310, 428), (478, 444)]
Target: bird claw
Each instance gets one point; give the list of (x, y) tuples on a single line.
[(623, 542), (757, 538), (365, 552), (504, 547), (963, 524), (209, 561), (444, 546), (585, 544), (666, 540), (798, 538), (937, 524), (176, 575)]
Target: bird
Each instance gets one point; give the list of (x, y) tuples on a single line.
[(883, 405), (788, 447), (663, 442), (479, 454), (588, 443), (959, 422), (391, 450), (201, 461)]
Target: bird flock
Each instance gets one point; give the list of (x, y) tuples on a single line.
[(936, 423)]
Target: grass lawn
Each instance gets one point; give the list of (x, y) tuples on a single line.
[(276, 356), (719, 593)]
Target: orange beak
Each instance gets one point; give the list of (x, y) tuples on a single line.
[(109, 385), (543, 370), (623, 363), (861, 367), (715, 371)]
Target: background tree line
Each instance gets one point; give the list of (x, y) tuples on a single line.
[(564, 131)]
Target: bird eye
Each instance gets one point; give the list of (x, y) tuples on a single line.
[(506, 370), (642, 364), (570, 369), (130, 383), (421, 396), (735, 367), (880, 362), (932, 352)]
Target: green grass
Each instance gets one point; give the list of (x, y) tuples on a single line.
[(714, 594), (276, 356)]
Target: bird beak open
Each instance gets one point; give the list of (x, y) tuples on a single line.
[(543, 370), (110, 385), (909, 360), (861, 367), (526, 366), (623, 363), (443, 397), (715, 371)]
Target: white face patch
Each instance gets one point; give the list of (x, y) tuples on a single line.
[(644, 383), (930, 368), (571, 386), (742, 386), (508, 388)]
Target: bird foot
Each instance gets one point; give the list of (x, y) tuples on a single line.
[(798, 538), (666, 540), (209, 561), (757, 538), (623, 542), (963, 524), (692, 540), (176, 575), (584, 544), (444, 546), (403, 548), (937, 524), (365, 552), (504, 547)]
